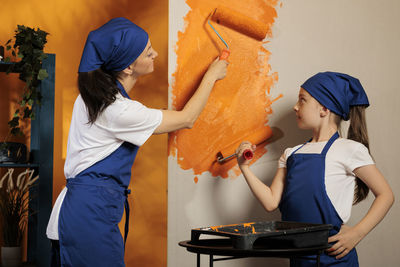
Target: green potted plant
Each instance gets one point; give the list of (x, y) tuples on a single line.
[(28, 47), (14, 204)]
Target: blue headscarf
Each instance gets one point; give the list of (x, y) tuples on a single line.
[(115, 45), (336, 91)]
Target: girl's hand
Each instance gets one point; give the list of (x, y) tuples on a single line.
[(217, 69), (346, 240), (239, 152)]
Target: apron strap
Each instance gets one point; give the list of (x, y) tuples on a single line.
[(127, 210), (301, 146), (326, 148), (329, 143)]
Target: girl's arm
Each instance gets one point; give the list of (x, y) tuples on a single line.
[(349, 237), (175, 120), (269, 197)]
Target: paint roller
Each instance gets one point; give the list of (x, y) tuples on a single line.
[(258, 137), (238, 22)]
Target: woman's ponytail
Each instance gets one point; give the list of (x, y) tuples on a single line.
[(98, 89), (358, 132)]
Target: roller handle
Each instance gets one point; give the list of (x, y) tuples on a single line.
[(248, 154), (224, 54)]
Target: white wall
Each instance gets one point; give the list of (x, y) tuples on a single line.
[(358, 37)]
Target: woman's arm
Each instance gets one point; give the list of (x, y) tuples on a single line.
[(175, 120), (269, 197), (349, 237)]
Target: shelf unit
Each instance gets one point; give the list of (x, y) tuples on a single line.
[(41, 160)]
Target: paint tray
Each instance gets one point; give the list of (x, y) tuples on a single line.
[(269, 234)]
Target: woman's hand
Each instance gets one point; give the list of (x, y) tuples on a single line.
[(217, 69), (184, 119), (346, 240), (239, 152)]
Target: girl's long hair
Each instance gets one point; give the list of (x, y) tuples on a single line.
[(358, 132), (98, 89)]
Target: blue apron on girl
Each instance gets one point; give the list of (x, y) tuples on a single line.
[(92, 208), (305, 200)]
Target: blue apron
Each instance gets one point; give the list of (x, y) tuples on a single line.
[(305, 200), (92, 209)]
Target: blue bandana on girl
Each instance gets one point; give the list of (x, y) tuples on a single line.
[(114, 46), (336, 91)]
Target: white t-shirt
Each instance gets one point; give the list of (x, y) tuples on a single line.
[(343, 157), (123, 120)]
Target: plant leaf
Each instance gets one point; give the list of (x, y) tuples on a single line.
[(16, 113), (42, 74), (14, 122), (27, 112), (16, 131)]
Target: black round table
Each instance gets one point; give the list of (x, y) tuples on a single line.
[(223, 247)]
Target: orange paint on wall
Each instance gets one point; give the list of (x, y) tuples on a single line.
[(238, 104), (69, 22)]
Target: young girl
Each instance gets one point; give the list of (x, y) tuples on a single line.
[(319, 181)]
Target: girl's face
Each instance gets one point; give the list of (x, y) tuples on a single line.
[(144, 64), (307, 110)]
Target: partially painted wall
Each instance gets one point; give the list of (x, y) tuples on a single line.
[(306, 37), (239, 106)]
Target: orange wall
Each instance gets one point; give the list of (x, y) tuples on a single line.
[(68, 22)]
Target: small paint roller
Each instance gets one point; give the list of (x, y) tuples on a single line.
[(257, 137), (238, 22)]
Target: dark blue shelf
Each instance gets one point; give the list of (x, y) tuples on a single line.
[(41, 156)]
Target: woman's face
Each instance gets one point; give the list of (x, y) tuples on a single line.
[(144, 64)]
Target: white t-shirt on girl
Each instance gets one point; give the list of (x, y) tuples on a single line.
[(123, 120), (343, 157)]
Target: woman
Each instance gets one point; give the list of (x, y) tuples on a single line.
[(107, 128)]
